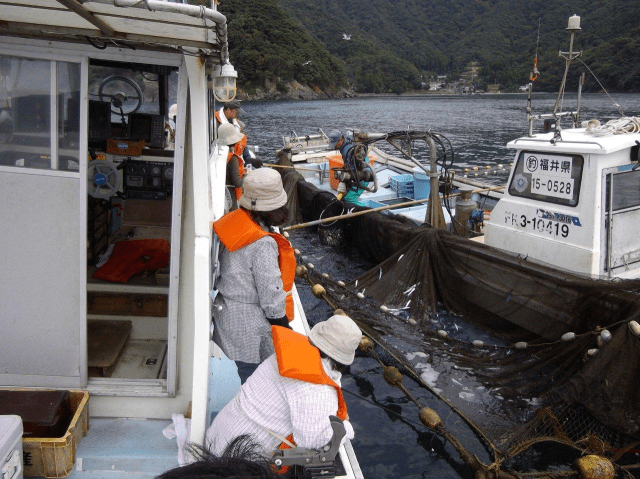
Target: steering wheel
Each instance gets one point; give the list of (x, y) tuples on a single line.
[(103, 179), (124, 94)]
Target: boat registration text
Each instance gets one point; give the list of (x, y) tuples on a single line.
[(545, 222)]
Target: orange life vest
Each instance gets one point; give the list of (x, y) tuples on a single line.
[(299, 359), (237, 230)]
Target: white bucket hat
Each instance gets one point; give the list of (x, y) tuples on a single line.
[(228, 134), (337, 337), (262, 190)]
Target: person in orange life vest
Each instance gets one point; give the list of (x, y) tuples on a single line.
[(293, 392), (229, 136), (257, 272), (229, 113)]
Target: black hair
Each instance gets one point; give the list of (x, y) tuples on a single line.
[(271, 218), (342, 368), (240, 460)]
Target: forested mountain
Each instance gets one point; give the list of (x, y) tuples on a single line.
[(394, 45)]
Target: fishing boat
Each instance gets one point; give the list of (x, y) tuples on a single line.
[(111, 178)]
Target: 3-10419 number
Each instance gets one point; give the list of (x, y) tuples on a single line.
[(545, 226)]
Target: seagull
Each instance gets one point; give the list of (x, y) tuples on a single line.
[(346, 37), (306, 63)]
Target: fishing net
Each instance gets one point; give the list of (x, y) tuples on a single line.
[(509, 339)]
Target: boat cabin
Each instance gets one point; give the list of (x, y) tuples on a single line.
[(107, 150), (573, 202)]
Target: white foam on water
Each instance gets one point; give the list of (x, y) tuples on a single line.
[(411, 356), (467, 396), (429, 375)]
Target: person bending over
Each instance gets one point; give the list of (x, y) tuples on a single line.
[(287, 401)]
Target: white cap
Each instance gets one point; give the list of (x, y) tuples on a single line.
[(338, 337), (262, 190)]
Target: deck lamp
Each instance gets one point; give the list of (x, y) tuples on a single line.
[(222, 80)]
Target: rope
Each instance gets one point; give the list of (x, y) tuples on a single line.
[(626, 124)]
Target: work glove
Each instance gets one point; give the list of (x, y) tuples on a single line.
[(283, 321)]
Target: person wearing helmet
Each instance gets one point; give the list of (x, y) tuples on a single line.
[(257, 271), (228, 135), (293, 392)]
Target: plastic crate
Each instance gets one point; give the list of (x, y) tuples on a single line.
[(402, 185), (421, 188), (55, 457), (422, 182)]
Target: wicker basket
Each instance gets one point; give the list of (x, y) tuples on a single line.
[(125, 147)]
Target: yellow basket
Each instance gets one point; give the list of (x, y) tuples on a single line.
[(55, 457)]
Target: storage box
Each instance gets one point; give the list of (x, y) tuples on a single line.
[(421, 184), (335, 161), (55, 457), (125, 147), (402, 185), (44, 413), (11, 446)]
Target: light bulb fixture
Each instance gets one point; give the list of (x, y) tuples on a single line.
[(222, 80)]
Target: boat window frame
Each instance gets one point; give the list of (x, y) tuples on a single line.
[(54, 59), (519, 174), (78, 53)]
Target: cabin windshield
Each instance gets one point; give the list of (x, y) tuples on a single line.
[(39, 113), (552, 178)]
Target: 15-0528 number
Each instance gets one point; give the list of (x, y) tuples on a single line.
[(552, 186)]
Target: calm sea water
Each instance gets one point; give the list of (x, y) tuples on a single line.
[(390, 441)]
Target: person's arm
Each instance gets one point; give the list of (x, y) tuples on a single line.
[(267, 279), (233, 172), (310, 406)]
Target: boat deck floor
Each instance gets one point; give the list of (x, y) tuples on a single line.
[(119, 448)]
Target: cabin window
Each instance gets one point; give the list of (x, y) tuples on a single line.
[(626, 191), (552, 178), (39, 113)]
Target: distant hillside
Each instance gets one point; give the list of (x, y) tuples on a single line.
[(269, 49), (395, 45)]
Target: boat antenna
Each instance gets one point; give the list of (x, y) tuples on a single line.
[(533, 76), (603, 88), (573, 26)]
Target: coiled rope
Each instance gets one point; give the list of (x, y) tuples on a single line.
[(626, 124)]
